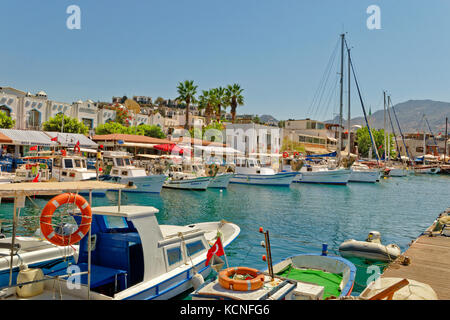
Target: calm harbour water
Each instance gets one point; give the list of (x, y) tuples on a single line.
[(302, 217)]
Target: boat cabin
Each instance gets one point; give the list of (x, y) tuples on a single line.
[(129, 248), (71, 168), (120, 164), (251, 166)]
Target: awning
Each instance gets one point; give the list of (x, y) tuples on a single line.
[(136, 144), (316, 150), (217, 149), (28, 137), (70, 139)]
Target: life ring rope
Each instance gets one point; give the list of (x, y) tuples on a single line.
[(47, 227)]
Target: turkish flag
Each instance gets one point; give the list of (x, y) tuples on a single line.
[(54, 139), (33, 148), (216, 249), (36, 179), (77, 146)]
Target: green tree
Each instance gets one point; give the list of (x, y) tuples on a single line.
[(111, 127), (6, 122), (220, 101), (234, 98), (150, 131), (256, 119), (186, 94), (71, 125), (364, 142), (207, 101)]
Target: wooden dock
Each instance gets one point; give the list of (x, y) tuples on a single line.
[(430, 262)]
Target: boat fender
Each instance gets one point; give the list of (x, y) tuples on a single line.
[(197, 280)]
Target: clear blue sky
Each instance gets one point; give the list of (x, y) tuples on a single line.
[(276, 50)]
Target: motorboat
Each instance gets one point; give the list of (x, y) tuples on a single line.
[(371, 248), (33, 171), (362, 173), (328, 276), (118, 167), (29, 248), (221, 175), (242, 283), (322, 174), (394, 171), (426, 169), (184, 176), (250, 171), (128, 255)]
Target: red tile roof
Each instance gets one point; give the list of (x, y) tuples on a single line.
[(5, 139), (130, 138)]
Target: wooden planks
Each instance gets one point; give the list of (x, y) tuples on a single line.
[(430, 264)]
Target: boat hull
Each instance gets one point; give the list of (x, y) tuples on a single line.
[(278, 179), (332, 264), (369, 250), (188, 184), (397, 172), (370, 176), (427, 170), (336, 177), (144, 184), (221, 181)]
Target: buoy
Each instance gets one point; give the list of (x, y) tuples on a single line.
[(197, 280), (263, 244), (264, 257), (261, 229)]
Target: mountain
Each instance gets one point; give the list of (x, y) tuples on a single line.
[(410, 115), (267, 118)]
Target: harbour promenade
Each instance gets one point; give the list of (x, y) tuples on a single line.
[(429, 261)]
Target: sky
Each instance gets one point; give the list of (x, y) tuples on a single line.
[(277, 50)]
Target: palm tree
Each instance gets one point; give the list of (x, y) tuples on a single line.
[(220, 101), (207, 101), (187, 91), (235, 98)]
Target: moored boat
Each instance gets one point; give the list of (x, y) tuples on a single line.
[(362, 173), (249, 171), (321, 174)]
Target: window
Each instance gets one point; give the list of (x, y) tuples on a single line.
[(83, 162), (173, 255), (194, 247), (64, 174), (119, 162), (77, 163), (115, 172), (419, 149), (115, 222), (127, 162), (124, 173), (68, 163)]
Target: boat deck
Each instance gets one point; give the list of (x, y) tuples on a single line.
[(430, 263)]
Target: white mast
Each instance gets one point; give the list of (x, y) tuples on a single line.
[(385, 143), (341, 102)]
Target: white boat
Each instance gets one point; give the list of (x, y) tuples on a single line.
[(362, 173), (221, 180), (133, 257), (426, 169), (27, 172), (414, 290), (397, 171), (249, 171), (371, 249), (322, 174), (182, 178), (34, 251), (119, 168)]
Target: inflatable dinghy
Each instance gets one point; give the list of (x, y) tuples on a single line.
[(371, 249)]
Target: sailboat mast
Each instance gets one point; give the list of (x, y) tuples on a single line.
[(385, 144), (446, 138), (341, 101), (348, 119)]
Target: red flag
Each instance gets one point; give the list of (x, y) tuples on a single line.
[(216, 249), (54, 139), (380, 146), (33, 148), (77, 146), (36, 179)]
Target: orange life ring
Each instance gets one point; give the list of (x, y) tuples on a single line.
[(241, 285), (285, 154), (47, 213)]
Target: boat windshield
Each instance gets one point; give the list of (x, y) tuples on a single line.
[(68, 164), (77, 163), (119, 162), (127, 162)]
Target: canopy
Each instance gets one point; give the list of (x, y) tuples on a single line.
[(28, 137), (332, 154), (172, 148)]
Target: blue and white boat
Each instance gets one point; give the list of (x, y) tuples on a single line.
[(322, 174), (250, 171), (119, 169), (131, 256)]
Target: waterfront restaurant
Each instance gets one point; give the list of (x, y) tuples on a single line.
[(134, 144)]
